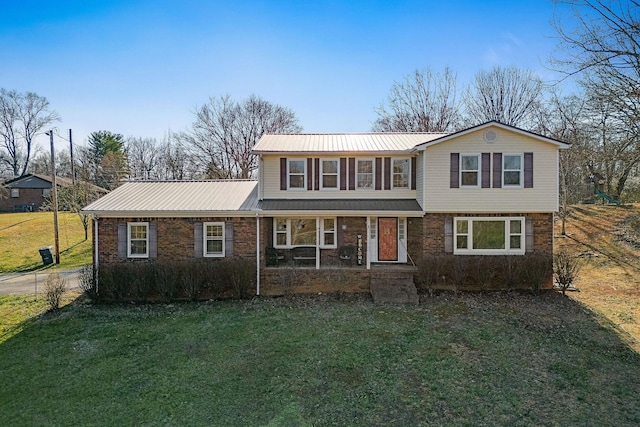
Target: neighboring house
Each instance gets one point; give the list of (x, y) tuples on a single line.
[(29, 192), (335, 212)]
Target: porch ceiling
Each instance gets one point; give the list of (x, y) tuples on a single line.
[(409, 207)]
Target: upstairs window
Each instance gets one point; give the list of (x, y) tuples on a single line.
[(469, 170), (364, 175), (213, 239), (138, 244), (329, 173), (512, 170), (296, 173), (401, 169)]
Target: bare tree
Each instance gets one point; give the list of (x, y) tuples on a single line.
[(224, 132), (143, 157), (423, 102), (509, 95), (23, 116)]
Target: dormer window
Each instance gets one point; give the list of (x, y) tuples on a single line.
[(296, 173)]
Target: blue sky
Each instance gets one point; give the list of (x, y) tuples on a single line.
[(142, 67)]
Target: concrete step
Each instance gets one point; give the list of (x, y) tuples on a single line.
[(394, 289)]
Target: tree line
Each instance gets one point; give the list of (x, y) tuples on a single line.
[(598, 46)]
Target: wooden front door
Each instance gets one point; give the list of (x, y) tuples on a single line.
[(387, 239)]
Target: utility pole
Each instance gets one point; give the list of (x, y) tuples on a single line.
[(54, 195), (73, 166)]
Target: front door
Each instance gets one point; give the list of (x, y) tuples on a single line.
[(387, 239)]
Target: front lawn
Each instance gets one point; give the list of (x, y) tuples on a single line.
[(473, 359)]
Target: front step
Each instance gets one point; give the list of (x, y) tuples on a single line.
[(396, 288)]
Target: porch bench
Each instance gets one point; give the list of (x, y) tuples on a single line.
[(304, 253)]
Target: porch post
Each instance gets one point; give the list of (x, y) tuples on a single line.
[(317, 243), (368, 240)]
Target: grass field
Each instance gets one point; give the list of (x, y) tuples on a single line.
[(468, 359), (472, 359), (22, 234)]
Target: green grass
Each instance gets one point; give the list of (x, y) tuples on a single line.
[(496, 359), (22, 234)]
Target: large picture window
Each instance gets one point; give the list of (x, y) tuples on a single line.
[(364, 174), (213, 235), (512, 170), (292, 232), (138, 240), (296, 169), (401, 173), (469, 170), (489, 236), (329, 173)]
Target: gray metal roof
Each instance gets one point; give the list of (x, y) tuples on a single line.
[(341, 205), (177, 198), (342, 142)]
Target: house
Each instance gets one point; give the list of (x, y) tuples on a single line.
[(29, 192), (347, 212)]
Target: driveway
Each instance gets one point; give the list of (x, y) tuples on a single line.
[(33, 282)]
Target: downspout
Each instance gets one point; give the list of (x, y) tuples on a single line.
[(257, 255)]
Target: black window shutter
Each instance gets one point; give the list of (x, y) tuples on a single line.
[(228, 239), (283, 173), (153, 240), (197, 240), (448, 235), (497, 170), (413, 173), (528, 228), (122, 240), (343, 173), (486, 170), (454, 174), (528, 170), (352, 173), (309, 174), (378, 173), (316, 173), (387, 173)]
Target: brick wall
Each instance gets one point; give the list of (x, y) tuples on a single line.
[(31, 197), (175, 237)]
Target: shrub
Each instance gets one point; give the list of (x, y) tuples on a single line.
[(535, 270), (167, 281), (55, 287), (565, 270), (87, 282), (241, 276)]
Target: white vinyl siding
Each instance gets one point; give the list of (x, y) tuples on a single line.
[(271, 184), (543, 197)]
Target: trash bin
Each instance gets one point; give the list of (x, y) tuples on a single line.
[(47, 256)]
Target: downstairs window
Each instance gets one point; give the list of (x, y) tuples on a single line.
[(489, 236)]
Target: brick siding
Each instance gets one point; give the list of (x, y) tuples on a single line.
[(30, 198)]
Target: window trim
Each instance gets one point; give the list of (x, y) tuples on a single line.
[(507, 230), (319, 222), (303, 173), (478, 171), (505, 170), (393, 173), (205, 238), (15, 193), (336, 173), (373, 174), (130, 240), (323, 233)]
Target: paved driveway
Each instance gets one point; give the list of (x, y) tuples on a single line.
[(30, 283)]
